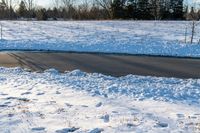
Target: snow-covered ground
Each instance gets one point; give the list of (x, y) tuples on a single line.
[(81, 102), (133, 37)]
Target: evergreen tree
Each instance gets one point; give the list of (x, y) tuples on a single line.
[(118, 8), (156, 9), (55, 13), (4, 12), (41, 14), (176, 9), (12, 13), (22, 11), (131, 9), (144, 9), (104, 9)]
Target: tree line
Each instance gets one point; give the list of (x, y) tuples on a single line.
[(99, 10)]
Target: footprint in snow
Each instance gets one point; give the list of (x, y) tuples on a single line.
[(26, 93), (115, 112), (57, 92), (106, 118), (10, 115), (192, 117), (3, 94), (96, 130), (38, 129), (3, 106), (149, 115), (161, 125), (23, 99), (99, 104), (18, 98), (52, 102), (134, 111), (85, 106), (40, 93), (67, 130), (7, 103), (11, 98), (130, 125), (68, 105), (180, 115), (60, 110)]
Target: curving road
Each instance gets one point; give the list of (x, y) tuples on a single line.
[(109, 64)]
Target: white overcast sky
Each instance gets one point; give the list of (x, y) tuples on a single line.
[(46, 3)]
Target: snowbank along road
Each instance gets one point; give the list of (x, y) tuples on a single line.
[(78, 102)]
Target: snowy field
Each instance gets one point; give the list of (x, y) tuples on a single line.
[(133, 37), (80, 102)]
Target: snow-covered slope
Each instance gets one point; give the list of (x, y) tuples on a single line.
[(133, 37), (81, 102)]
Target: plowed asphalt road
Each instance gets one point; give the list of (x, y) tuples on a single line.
[(108, 64)]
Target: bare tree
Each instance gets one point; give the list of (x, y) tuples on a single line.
[(67, 3), (85, 6), (155, 6), (8, 7), (30, 6), (83, 10), (68, 6), (56, 3), (107, 6)]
